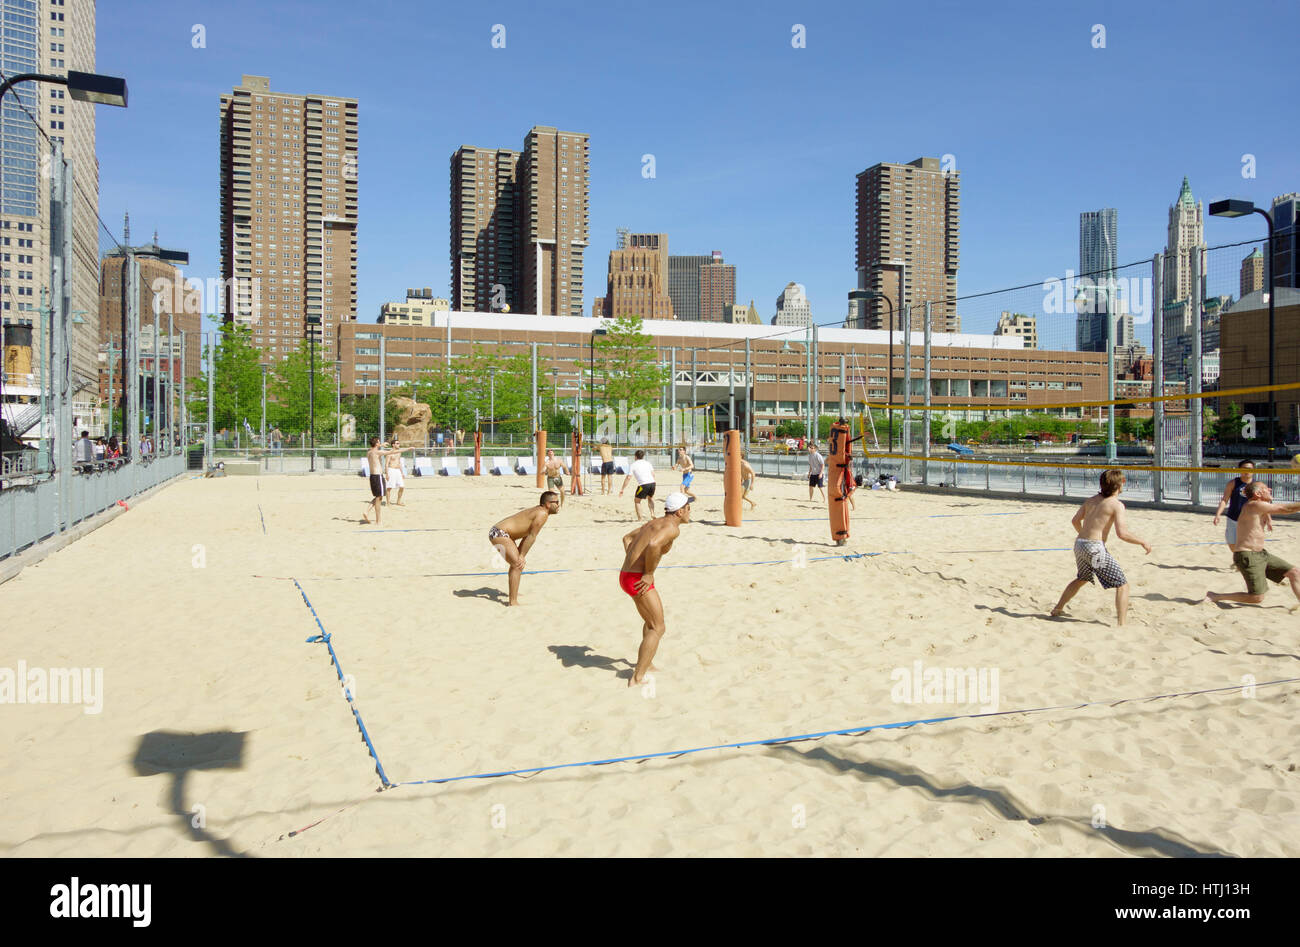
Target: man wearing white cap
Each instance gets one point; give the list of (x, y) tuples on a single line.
[(643, 548)]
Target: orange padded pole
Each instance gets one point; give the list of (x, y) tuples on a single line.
[(575, 484), (478, 452), (841, 481), (541, 459), (731, 489)]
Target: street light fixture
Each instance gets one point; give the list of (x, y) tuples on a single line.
[(591, 371), (1239, 208), (875, 294)]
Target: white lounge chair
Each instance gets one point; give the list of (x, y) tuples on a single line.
[(450, 467), (621, 465), (595, 464), (423, 467), (363, 469), (499, 466), (527, 466)]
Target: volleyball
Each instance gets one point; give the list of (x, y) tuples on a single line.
[(1295, 461)]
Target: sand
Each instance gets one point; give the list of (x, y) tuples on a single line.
[(223, 730)]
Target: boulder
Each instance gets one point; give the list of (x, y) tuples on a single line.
[(413, 419)]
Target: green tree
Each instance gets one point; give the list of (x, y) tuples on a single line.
[(237, 382), (288, 394), (628, 365), (365, 409)]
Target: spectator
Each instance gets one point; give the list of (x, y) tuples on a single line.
[(83, 452), (114, 449)]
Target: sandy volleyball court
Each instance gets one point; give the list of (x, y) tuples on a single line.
[(222, 730)]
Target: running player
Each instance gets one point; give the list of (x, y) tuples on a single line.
[(1093, 523), (642, 550), (523, 528), (645, 484), (688, 472)]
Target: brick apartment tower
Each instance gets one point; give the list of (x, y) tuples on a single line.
[(638, 279), (909, 212), (717, 288), (1252, 273), (519, 224), (288, 189), (49, 37)]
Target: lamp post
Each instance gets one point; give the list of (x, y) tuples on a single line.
[(338, 404), (263, 366), (591, 371), (313, 324), (1239, 208), (874, 294), (492, 402)]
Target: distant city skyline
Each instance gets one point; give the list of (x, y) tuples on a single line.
[(731, 175)]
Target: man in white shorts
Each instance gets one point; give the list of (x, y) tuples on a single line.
[(396, 476)]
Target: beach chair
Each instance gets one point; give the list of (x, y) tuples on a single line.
[(450, 468), (594, 466), (527, 466), (363, 469), (499, 466), (423, 467), (621, 465)]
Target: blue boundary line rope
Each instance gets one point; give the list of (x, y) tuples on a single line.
[(324, 636), (847, 557), (641, 758)]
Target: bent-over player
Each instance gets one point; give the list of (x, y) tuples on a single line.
[(523, 528)]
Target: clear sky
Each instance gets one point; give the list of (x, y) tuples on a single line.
[(756, 142)]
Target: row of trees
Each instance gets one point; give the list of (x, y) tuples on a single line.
[(484, 386)]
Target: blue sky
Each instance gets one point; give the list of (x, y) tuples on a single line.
[(756, 143)]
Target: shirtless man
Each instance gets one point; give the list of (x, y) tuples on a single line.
[(396, 476), (606, 466), (1093, 523), (687, 468), (554, 469), (746, 482), (523, 528), (643, 548), (376, 460), (1256, 565)]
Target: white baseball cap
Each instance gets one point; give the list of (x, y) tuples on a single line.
[(675, 501)]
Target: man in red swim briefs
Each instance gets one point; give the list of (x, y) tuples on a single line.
[(643, 548)]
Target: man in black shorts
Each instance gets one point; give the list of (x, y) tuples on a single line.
[(376, 460), (645, 484), (606, 466)]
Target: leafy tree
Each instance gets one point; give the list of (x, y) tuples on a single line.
[(237, 382), (628, 365), (365, 409), (288, 393)]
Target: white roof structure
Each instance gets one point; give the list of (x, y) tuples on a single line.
[(583, 326)]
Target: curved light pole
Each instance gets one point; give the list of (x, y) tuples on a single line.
[(889, 388), (1239, 208)]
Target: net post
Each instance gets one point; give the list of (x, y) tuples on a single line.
[(1158, 373), (1194, 383)]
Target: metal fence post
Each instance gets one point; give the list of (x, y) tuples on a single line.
[(925, 464), (1158, 373), (1194, 383)]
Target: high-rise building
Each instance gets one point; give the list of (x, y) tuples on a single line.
[(49, 37), (638, 278), (1252, 273), (908, 216), (717, 287), (288, 192), (740, 314), (792, 307), (519, 225), (1286, 240), (1098, 259), (164, 292), (1019, 324), (484, 231), (416, 310), (1186, 239), (684, 285)]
